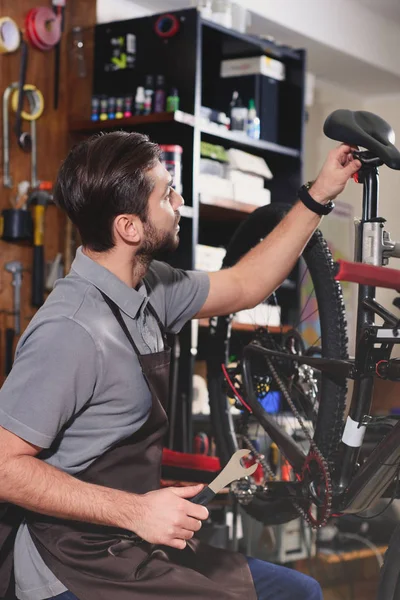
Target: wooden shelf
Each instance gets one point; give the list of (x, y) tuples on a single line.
[(339, 557), (127, 122), (241, 139), (224, 208), (212, 129), (266, 46), (248, 327)]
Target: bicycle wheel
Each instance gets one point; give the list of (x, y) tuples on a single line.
[(389, 581), (327, 410)]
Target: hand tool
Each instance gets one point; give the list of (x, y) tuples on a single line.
[(14, 267), (59, 8), (232, 471), (36, 104), (39, 199), (23, 138)]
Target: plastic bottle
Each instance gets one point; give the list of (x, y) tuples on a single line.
[(159, 95), (238, 114), (253, 122), (148, 95), (139, 100), (173, 100)]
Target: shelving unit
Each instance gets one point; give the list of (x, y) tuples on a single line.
[(190, 61), (213, 130)]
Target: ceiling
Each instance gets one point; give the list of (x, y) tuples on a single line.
[(389, 9), (325, 62)]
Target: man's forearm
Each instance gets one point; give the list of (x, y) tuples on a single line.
[(32, 484), (264, 267)]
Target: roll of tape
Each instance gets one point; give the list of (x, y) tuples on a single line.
[(10, 36), (43, 28), (38, 99)]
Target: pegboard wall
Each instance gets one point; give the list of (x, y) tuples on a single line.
[(53, 142)]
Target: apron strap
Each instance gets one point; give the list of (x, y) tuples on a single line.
[(154, 313), (117, 314)]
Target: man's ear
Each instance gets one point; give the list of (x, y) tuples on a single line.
[(129, 228)]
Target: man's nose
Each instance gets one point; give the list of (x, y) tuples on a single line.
[(177, 201)]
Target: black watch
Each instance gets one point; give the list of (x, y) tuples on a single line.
[(311, 204)]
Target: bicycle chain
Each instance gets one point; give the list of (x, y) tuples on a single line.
[(315, 524), (260, 458)]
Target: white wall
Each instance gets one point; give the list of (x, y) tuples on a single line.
[(118, 10), (327, 98), (389, 109)]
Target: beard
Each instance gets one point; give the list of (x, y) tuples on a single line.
[(157, 242)]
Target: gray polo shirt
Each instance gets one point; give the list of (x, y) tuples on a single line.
[(76, 387)]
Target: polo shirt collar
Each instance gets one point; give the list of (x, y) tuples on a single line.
[(126, 298)]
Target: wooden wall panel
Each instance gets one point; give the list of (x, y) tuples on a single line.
[(53, 144)]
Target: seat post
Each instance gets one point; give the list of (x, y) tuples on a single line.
[(369, 177)]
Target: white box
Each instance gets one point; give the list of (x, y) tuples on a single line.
[(253, 182), (217, 187), (242, 193), (244, 161), (255, 65), (263, 314), (209, 258)]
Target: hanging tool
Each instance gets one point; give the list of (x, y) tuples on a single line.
[(36, 103), (39, 200), (23, 138), (59, 8), (15, 268)]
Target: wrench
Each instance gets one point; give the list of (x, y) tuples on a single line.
[(232, 471), (15, 267)]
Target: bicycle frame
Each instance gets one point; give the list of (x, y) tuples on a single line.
[(354, 490)]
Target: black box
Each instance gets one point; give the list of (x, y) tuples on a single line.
[(265, 93)]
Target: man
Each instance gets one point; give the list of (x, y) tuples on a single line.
[(82, 412)]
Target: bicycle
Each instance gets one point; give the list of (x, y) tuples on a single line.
[(323, 474)]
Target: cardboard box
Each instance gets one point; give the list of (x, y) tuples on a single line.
[(209, 258), (256, 65), (263, 314), (242, 193)]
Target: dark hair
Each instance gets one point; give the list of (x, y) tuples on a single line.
[(103, 177)]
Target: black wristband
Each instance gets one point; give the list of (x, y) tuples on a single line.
[(311, 204)]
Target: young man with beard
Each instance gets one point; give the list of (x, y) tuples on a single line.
[(82, 413)]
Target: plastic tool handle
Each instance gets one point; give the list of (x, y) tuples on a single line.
[(38, 276), (203, 497), (9, 351)]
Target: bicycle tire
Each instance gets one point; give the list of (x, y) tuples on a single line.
[(329, 425), (389, 580)]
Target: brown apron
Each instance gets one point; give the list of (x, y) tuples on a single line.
[(105, 563)]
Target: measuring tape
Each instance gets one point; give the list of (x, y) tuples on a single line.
[(38, 102), (10, 36), (43, 28)]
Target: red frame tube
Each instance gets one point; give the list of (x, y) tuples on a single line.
[(368, 275)]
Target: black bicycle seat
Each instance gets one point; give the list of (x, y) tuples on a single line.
[(363, 128)]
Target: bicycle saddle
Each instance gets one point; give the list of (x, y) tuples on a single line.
[(363, 128)]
